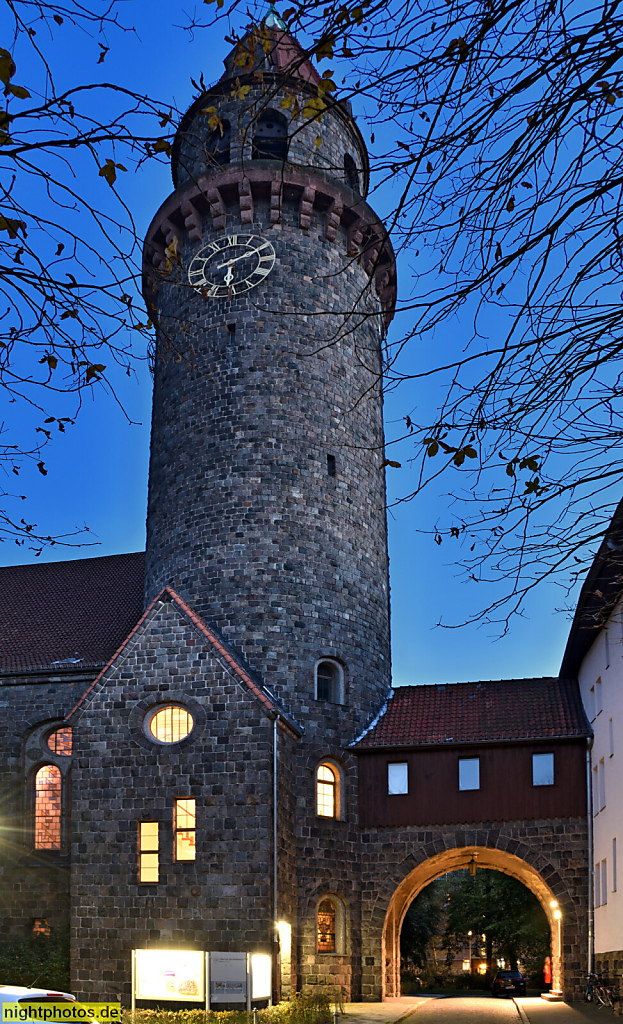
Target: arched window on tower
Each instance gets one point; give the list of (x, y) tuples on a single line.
[(331, 925), (351, 172), (326, 927), (218, 145), (329, 682), (329, 787), (270, 138), (48, 808)]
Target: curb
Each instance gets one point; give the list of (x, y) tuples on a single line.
[(521, 1012)]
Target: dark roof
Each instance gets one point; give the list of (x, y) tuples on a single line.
[(602, 589), (511, 709), (76, 612)]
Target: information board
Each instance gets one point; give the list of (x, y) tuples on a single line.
[(228, 978), (175, 974)]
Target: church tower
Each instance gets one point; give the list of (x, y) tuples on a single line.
[(271, 280)]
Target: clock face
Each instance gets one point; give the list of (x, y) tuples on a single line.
[(231, 265)]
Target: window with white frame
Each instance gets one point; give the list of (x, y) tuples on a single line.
[(397, 778), (597, 885), (542, 769), (598, 698), (611, 737), (602, 785), (469, 773)]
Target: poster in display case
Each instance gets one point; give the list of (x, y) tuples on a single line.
[(172, 974)]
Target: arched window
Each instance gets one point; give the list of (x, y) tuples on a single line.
[(327, 791), (218, 145), (326, 927), (351, 172), (48, 808), (329, 682), (270, 139)]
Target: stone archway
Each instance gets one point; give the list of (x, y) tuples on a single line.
[(453, 860)]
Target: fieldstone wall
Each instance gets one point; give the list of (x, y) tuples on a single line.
[(33, 884), (220, 901), (288, 562)]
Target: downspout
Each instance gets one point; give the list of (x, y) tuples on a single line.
[(275, 905), (589, 806)]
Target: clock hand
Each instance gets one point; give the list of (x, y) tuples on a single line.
[(229, 276), (234, 260)]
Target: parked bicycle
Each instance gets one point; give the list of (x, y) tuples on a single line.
[(598, 991)]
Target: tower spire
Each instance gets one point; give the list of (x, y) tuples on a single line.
[(273, 20)]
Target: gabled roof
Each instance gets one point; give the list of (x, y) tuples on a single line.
[(485, 712), (58, 615), (265, 698), (602, 589)]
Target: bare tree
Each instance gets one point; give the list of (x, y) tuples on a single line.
[(503, 157), (69, 252)]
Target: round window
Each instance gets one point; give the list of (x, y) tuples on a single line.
[(169, 724)]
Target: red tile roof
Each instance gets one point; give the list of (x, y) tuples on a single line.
[(511, 709), (76, 612)]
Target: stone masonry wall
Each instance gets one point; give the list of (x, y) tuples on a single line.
[(286, 561), (33, 884), (220, 901)]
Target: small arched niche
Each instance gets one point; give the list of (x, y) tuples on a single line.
[(270, 137), (329, 681), (217, 147), (351, 173)]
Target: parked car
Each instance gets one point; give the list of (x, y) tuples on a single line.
[(20, 994), (508, 983)]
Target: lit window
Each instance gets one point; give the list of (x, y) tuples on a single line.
[(469, 773), (326, 927), (542, 769), (41, 927), (170, 724), (148, 851), (326, 795), (185, 823), (59, 742), (397, 779), (48, 808)]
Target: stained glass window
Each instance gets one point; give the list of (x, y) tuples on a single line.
[(148, 866), (171, 724), (326, 927), (41, 927), (326, 791), (48, 808), (59, 742), (185, 829)]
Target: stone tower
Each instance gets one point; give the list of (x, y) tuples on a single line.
[(267, 494)]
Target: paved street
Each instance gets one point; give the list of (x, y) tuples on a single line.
[(472, 1010)]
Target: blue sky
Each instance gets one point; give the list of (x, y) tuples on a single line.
[(97, 472)]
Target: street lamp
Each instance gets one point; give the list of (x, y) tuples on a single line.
[(557, 979), (470, 952)]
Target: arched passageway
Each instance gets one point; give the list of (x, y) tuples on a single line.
[(454, 860)]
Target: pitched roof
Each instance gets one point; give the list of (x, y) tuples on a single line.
[(269, 48), (511, 709), (261, 693), (602, 589), (76, 612)]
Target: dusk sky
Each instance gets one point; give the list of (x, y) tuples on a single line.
[(97, 471)]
